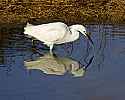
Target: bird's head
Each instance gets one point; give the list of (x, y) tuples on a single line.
[(81, 29)]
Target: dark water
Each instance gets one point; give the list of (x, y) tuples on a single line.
[(104, 78)]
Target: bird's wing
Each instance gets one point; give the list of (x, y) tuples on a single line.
[(49, 32)]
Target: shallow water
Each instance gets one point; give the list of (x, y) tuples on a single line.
[(104, 79)]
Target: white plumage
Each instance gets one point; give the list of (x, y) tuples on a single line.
[(55, 33)]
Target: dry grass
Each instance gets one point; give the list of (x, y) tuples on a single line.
[(68, 11)]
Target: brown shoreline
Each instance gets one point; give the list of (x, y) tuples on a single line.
[(68, 11)]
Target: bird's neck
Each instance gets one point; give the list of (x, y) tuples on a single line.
[(74, 35)]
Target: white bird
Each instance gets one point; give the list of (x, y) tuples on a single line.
[(55, 33)]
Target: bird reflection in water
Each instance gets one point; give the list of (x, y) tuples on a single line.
[(52, 64)]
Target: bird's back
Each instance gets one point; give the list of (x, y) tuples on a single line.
[(49, 32)]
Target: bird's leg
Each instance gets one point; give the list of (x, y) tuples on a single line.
[(51, 48), (33, 45)]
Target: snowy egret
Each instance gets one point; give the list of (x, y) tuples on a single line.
[(55, 33)]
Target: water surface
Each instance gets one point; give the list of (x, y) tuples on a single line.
[(104, 79)]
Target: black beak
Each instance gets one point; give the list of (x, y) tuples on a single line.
[(90, 39), (90, 61)]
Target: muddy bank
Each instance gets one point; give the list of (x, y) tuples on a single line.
[(68, 11)]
